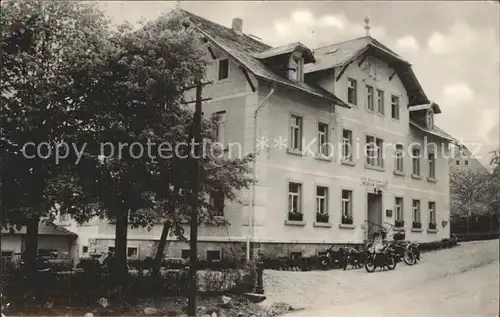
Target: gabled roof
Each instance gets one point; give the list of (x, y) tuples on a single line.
[(435, 131), (343, 53), (242, 48), (286, 49), (44, 229)]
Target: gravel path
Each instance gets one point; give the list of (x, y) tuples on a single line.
[(336, 287)]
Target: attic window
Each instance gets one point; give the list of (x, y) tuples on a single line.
[(296, 68), (430, 119), (223, 69)]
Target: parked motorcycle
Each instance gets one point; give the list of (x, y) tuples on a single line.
[(413, 248), (385, 258), (354, 258), (333, 259), (402, 252)]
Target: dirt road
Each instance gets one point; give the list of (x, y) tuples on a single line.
[(463, 281)]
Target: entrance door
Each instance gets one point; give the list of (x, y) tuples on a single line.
[(374, 206)]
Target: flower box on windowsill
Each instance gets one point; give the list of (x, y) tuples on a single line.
[(322, 218), (347, 220), (295, 216), (399, 223), (416, 225), (432, 226)]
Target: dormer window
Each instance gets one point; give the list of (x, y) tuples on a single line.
[(430, 119), (296, 68)]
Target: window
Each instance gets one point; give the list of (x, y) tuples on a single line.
[(296, 68), (185, 253), (85, 249), (132, 252), (352, 87), (432, 212), (64, 216), (416, 210), (223, 69), (432, 166), (416, 161), (399, 167), (395, 107), (213, 255), (380, 102), (346, 205), (370, 104), (374, 155), (466, 162), (458, 162), (295, 255), (220, 127), (321, 200), (323, 139), (347, 145), (217, 202), (294, 202), (430, 119), (399, 208), (296, 133)]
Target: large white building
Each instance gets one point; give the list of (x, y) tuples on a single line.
[(308, 197)]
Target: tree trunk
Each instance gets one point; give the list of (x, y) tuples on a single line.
[(161, 248), (31, 251), (121, 247)]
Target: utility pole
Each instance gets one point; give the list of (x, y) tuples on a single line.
[(193, 288)]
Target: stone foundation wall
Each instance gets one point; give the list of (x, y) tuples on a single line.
[(229, 250)]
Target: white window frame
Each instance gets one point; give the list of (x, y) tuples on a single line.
[(323, 139), (415, 208), (322, 200), (415, 161), (296, 124), (432, 165), (380, 102), (346, 203), (352, 85), (219, 61), (370, 98), (220, 128), (374, 144), (292, 196), (395, 109), (347, 145), (432, 212), (399, 165), (399, 208)]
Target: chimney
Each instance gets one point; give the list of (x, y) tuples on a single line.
[(237, 25)]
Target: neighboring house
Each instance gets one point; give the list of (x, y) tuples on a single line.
[(51, 238), (310, 195), (462, 159)]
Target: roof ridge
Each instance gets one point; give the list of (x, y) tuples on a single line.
[(343, 42), (225, 27)]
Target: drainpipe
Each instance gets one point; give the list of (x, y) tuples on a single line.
[(254, 172)]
